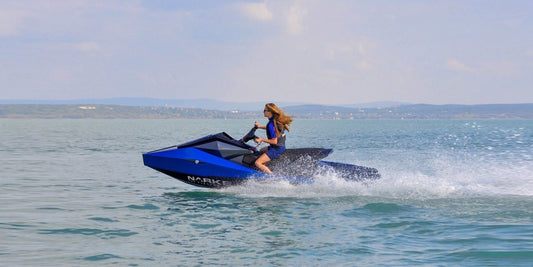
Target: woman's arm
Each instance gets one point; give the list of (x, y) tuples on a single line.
[(273, 141), (256, 124)]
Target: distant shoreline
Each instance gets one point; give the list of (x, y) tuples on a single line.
[(418, 111)]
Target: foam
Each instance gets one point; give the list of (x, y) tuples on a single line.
[(445, 177)]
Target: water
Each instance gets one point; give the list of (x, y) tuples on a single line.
[(453, 193)]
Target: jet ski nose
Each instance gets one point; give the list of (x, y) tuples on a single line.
[(324, 153)]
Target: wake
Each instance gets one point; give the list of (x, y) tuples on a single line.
[(443, 179)]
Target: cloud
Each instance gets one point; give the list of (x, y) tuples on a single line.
[(501, 68), (295, 19), (84, 47), (255, 11), (456, 65), (364, 65), (9, 22), (87, 46), (291, 16)]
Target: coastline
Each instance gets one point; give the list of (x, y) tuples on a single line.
[(418, 111)]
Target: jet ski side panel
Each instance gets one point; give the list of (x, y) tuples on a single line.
[(190, 164)]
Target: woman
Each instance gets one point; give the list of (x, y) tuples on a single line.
[(278, 122)]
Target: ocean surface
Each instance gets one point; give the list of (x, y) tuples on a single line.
[(452, 193)]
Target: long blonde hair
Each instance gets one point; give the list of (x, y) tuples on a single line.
[(281, 120)]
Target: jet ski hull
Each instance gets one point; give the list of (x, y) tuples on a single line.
[(210, 182)]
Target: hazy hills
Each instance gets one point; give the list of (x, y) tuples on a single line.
[(153, 102), (417, 111), (210, 109), (183, 103)]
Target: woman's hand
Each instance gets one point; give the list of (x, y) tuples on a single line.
[(256, 124), (258, 140)]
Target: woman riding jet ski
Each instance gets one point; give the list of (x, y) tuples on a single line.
[(278, 122), (218, 160)]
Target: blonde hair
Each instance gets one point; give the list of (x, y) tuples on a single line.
[(280, 118)]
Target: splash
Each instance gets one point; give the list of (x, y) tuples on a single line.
[(443, 178)]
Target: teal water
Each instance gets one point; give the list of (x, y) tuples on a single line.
[(453, 193)]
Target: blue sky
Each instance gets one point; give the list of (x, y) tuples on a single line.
[(325, 52)]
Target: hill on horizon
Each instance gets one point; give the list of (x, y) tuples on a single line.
[(417, 111), (188, 103)]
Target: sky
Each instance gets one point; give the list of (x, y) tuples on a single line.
[(309, 51)]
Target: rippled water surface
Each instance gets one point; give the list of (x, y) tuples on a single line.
[(452, 193)]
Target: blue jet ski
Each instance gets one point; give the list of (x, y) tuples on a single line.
[(218, 160)]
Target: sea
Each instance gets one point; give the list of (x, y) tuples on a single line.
[(75, 192)]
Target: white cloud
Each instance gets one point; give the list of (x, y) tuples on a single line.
[(9, 22), (357, 52), (255, 11), (76, 46), (501, 68), (289, 15), (338, 50), (364, 65), (295, 19), (456, 65), (87, 46)]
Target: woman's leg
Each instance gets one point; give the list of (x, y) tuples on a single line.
[(260, 163)]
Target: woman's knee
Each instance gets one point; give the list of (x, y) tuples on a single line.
[(262, 160)]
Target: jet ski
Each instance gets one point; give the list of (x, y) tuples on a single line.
[(218, 160)]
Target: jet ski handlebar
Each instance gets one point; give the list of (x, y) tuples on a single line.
[(250, 135)]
